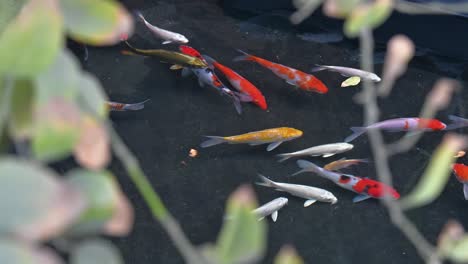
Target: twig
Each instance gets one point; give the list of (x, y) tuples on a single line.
[(398, 218), (431, 8), (159, 211), (5, 102)]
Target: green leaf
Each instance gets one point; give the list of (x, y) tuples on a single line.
[(288, 255), (242, 237), (101, 192), (37, 205), (92, 97), (351, 81), (459, 251), (15, 252), (96, 22), (436, 175), (367, 16), (32, 40), (96, 251), (8, 10), (20, 123)]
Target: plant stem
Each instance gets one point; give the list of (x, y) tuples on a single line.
[(5, 102), (380, 152), (154, 202)]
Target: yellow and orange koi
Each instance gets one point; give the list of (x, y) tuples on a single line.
[(273, 136)]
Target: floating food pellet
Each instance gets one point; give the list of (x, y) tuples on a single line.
[(193, 153), (351, 81), (460, 154)]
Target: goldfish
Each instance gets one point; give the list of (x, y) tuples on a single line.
[(114, 106), (325, 151), (461, 172), (365, 188), (343, 163), (311, 194), (399, 124), (273, 136), (166, 35), (168, 56), (271, 208), (349, 72), (207, 77), (292, 76), (240, 83)]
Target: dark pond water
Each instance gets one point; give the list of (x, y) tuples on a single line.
[(180, 112)]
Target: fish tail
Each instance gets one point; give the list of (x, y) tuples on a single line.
[(265, 181), (136, 106), (243, 57), (357, 131), (213, 140), (307, 166), (210, 61), (318, 68), (139, 15), (129, 53), (457, 122), (283, 157)]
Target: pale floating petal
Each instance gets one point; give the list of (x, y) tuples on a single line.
[(351, 81)]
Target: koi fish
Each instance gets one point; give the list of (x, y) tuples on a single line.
[(457, 122), (399, 124), (240, 83), (207, 77), (167, 56), (311, 194), (461, 172), (364, 187), (325, 151), (274, 136), (271, 208), (343, 163), (114, 106), (166, 35), (348, 72), (292, 76)]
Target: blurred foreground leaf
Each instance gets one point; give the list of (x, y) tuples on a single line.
[(367, 16), (96, 22), (32, 40), (106, 204), (37, 205), (437, 173), (20, 122), (93, 148), (8, 10), (92, 97), (288, 255), (96, 251), (242, 238), (15, 252)]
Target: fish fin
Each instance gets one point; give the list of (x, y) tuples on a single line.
[(465, 191), (291, 83), (360, 198), (245, 98), (274, 216), (201, 83), (136, 106), (213, 140), (176, 67), (307, 166), (328, 155), (283, 157), (256, 143), (186, 72), (318, 68), (236, 101), (274, 145), (357, 131), (167, 42), (265, 181), (243, 57), (309, 202), (209, 60), (261, 218)]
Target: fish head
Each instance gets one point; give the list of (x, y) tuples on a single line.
[(292, 132), (379, 190), (347, 146), (431, 124), (261, 102), (187, 50), (282, 201), (461, 172), (375, 78), (317, 86), (330, 198), (180, 38)]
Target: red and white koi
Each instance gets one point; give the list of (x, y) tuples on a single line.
[(295, 77), (461, 172), (399, 124), (240, 83), (114, 106), (365, 188), (166, 35)]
